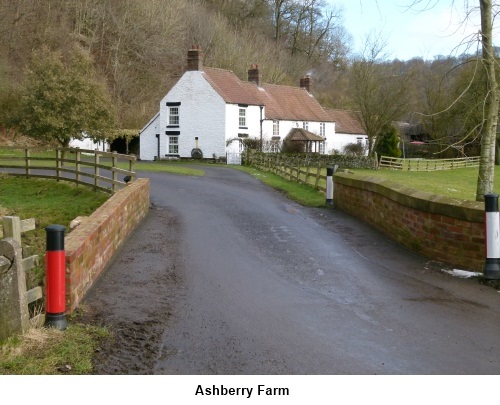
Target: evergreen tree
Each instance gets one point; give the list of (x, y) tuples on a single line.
[(388, 143), (63, 101)]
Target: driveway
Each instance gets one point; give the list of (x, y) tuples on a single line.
[(227, 276)]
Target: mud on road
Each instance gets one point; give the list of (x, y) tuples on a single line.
[(134, 296)]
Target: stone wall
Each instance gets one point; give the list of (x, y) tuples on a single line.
[(93, 243), (443, 229)]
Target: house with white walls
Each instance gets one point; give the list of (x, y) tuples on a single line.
[(209, 112), (89, 143), (348, 130)]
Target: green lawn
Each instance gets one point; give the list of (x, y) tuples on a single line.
[(167, 167), (49, 202), (457, 183)]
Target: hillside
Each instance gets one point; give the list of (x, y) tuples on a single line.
[(139, 47)]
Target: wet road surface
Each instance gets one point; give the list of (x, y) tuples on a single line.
[(271, 287), (227, 276)]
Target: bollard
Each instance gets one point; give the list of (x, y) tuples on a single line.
[(491, 269), (55, 268), (329, 184)]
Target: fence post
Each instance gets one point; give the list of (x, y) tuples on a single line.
[(14, 316), (12, 228), (59, 163), (55, 268), (114, 160), (97, 171)]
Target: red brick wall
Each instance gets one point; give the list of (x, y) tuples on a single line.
[(440, 228), (93, 243)]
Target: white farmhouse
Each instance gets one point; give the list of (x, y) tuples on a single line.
[(210, 111), (348, 130)]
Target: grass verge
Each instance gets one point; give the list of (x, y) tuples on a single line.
[(43, 351), (167, 167), (48, 351), (301, 193)]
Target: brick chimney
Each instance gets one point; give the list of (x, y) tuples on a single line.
[(254, 75), (305, 83), (195, 58)]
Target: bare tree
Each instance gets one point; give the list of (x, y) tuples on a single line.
[(485, 180), (380, 92), (486, 174)]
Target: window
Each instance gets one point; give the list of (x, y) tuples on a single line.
[(275, 146), (276, 128), (243, 117), (359, 141), (173, 116), (173, 145), (322, 148), (322, 129), (305, 125)]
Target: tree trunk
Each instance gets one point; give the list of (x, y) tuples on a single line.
[(486, 165), (497, 152)]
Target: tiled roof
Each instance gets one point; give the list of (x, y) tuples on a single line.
[(346, 122), (292, 103), (231, 88), (299, 134), (281, 102)]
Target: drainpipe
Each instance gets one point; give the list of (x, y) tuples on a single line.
[(158, 147), (261, 120)]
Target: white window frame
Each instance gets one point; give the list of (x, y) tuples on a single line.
[(322, 131), (322, 148), (276, 128), (173, 145), (173, 116), (242, 117), (305, 125)]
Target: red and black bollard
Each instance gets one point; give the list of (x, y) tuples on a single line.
[(491, 269), (55, 268)]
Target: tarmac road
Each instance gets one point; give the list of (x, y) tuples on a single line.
[(266, 286)]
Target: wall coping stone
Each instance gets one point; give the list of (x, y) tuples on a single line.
[(428, 202)]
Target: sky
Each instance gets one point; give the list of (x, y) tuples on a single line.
[(410, 33)]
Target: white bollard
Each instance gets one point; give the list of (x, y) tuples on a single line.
[(329, 185), (491, 269)]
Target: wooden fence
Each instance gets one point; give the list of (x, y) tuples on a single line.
[(299, 170), (428, 164), (14, 298), (81, 166)]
